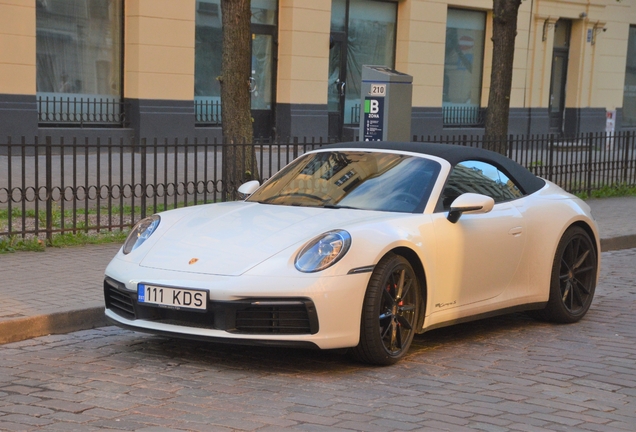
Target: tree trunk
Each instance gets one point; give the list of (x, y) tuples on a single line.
[(239, 158), (504, 32)]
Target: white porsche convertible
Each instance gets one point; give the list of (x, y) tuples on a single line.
[(360, 246)]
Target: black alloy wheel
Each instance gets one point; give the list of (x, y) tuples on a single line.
[(573, 279), (389, 312)]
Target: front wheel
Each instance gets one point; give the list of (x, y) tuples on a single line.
[(573, 278), (389, 313)]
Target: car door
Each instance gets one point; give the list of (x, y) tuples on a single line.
[(477, 257)]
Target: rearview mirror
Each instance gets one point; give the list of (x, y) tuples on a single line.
[(469, 203), (247, 189)]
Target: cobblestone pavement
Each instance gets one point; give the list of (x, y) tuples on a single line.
[(506, 373)]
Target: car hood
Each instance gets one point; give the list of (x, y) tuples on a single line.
[(229, 239)]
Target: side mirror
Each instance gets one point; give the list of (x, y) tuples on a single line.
[(469, 203), (247, 189)]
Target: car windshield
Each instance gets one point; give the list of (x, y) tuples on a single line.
[(353, 179)]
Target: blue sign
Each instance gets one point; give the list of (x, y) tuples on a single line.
[(373, 126)]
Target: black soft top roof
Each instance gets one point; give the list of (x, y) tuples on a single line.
[(455, 154)]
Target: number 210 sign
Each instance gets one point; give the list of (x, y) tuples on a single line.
[(378, 90)]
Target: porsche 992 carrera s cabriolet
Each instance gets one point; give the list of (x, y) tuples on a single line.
[(360, 246)]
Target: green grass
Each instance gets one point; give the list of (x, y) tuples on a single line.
[(609, 192), (81, 237), (15, 243)]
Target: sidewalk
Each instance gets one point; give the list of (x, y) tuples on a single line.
[(60, 290)]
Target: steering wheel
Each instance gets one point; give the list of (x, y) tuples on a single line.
[(407, 198)]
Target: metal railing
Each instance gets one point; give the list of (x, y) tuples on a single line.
[(49, 188), (207, 112), (80, 111), (463, 116), (579, 164)]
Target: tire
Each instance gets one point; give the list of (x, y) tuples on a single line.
[(573, 278), (389, 312)]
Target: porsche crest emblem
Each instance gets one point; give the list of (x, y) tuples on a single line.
[(193, 260)]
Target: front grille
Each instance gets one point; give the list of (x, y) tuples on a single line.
[(272, 318), (248, 316), (118, 299)]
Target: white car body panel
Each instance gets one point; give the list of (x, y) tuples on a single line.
[(481, 264)]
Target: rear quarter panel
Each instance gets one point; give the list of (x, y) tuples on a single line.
[(550, 212)]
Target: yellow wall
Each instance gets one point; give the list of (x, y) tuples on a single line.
[(303, 51), (159, 49), (17, 47)]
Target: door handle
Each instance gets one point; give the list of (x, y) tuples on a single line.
[(340, 85), (516, 231)]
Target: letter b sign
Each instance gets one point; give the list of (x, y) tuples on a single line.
[(374, 107)]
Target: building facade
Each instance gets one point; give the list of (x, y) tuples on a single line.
[(149, 68)]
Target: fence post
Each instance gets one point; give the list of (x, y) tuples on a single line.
[(143, 178), (551, 157), (10, 187), (49, 190), (590, 147), (628, 139)]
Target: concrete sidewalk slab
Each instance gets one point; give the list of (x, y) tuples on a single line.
[(55, 291), (60, 290), (616, 218)]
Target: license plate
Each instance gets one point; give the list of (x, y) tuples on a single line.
[(177, 298)]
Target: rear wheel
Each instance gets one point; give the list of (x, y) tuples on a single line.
[(389, 312), (573, 279)]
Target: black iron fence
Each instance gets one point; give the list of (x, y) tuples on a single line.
[(48, 188)]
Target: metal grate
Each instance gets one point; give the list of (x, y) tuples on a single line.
[(284, 319), (117, 300)]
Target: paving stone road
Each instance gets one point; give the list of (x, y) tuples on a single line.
[(506, 373)]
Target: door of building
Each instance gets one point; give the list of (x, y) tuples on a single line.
[(337, 83), (262, 81), (558, 80)]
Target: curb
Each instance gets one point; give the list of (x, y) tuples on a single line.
[(56, 323), (618, 243)]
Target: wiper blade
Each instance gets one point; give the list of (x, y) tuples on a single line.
[(336, 206)]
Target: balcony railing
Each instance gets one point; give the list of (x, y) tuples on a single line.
[(81, 111), (463, 116), (207, 111)]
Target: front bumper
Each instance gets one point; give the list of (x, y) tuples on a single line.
[(322, 312)]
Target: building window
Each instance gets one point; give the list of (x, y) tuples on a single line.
[(208, 36), (362, 33), (79, 58), (463, 67), (629, 93), (208, 58), (370, 41)]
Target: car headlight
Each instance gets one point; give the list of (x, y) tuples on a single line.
[(141, 232), (323, 251)]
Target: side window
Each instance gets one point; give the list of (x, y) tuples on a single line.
[(479, 177)]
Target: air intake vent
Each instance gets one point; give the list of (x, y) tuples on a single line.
[(271, 317), (118, 299)]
